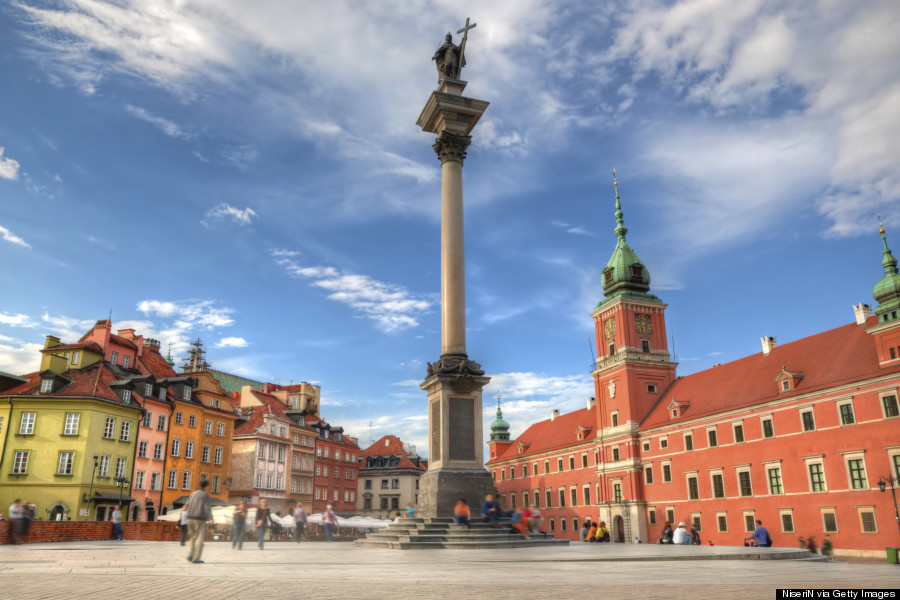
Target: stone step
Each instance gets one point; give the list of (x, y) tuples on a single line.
[(414, 545)]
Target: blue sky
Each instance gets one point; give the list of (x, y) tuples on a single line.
[(251, 174)]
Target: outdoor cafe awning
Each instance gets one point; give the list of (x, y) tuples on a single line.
[(111, 497)]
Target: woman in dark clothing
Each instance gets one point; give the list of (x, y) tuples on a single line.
[(695, 537), (666, 537), (263, 520)]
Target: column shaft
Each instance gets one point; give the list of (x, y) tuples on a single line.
[(453, 269)]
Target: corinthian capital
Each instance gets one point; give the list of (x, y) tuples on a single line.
[(451, 146)]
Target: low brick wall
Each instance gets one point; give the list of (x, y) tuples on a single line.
[(78, 531)]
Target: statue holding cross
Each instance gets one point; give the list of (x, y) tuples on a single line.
[(450, 58)]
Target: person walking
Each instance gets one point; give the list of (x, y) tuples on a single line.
[(199, 513), (300, 521), (329, 519), (17, 521), (117, 523), (239, 526), (263, 520)]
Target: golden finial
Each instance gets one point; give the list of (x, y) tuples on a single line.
[(880, 225)]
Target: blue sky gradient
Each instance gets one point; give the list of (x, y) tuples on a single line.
[(253, 176)]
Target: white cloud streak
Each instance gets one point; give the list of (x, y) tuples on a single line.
[(232, 342), (170, 128), (12, 238), (17, 320), (225, 211), (392, 307)]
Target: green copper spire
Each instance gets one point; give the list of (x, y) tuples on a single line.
[(624, 274), (887, 291), (499, 428), (169, 355)]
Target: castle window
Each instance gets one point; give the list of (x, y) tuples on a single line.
[(786, 385), (893, 353), (645, 346), (713, 438), (615, 454), (608, 275), (651, 516), (688, 441), (615, 418), (846, 412), (663, 442), (651, 388), (767, 427), (738, 433), (612, 349), (889, 404), (808, 420)]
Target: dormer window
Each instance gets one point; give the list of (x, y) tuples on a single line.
[(162, 393), (148, 390), (785, 385), (677, 408), (125, 361), (114, 359), (637, 272), (46, 386), (126, 396), (76, 356), (607, 276), (788, 381), (187, 392)]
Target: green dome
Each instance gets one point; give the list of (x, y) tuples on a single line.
[(499, 428), (887, 291), (624, 274)]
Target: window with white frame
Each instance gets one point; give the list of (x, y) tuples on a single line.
[(161, 423), (808, 419), (282, 431), (693, 487), (867, 522), (717, 481), (712, 437), (204, 455), (614, 418), (1, 424), (218, 456), (121, 462), (192, 420), (126, 360), (26, 425), (173, 479), (207, 428), (261, 451), (76, 357), (145, 421), (787, 520), (856, 471), (220, 429), (749, 521), (335, 495), (280, 453), (186, 480), (64, 467), (889, 406), (845, 410), (71, 427), (109, 430), (20, 462), (156, 481), (648, 474), (46, 386), (142, 449), (722, 522), (158, 452), (768, 427), (139, 480), (125, 433), (114, 358), (271, 451), (738, 430), (815, 472), (162, 393), (179, 417), (773, 475), (176, 447), (663, 442), (279, 483), (745, 485), (187, 392), (666, 472), (104, 466), (148, 390), (259, 480), (269, 480), (829, 520), (216, 484), (688, 442)]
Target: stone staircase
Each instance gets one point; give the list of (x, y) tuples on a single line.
[(441, 532)]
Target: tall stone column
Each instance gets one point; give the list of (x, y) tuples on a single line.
[(453, 383)]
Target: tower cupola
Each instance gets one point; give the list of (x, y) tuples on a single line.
[(624, 274), (887, 291), (499, 428)]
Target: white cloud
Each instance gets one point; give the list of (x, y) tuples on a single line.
[(9, 168), (204, 313), (571, 228), (12, 238), (18, 356), (232, 342), (68, 329), (391, 306), (236, 215), (17, 320), (168, 127), (818, 78)]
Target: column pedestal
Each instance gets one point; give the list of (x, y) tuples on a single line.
[(455, 438)]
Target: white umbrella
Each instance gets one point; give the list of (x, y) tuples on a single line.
[(222, 515), (286, 521), (172, 516)]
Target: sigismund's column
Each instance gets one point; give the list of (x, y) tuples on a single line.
[(453, 383)]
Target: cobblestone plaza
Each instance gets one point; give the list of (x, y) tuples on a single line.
[(318, 570)]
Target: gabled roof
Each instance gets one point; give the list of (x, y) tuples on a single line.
[(156, 365), (90, 382), (118, 339), (92, 346), (551, 435), (828, 359)]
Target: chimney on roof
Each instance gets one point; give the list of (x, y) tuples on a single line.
[(554, 413), (51, 341), (152, 344), (862, 312), (590, 402), (768, 344)]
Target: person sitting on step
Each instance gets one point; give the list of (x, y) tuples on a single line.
[(490, 511)]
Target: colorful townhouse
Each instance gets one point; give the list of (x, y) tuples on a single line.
[(337, 468), (802, 436), (299, 401), (389, 475), (69, 433)]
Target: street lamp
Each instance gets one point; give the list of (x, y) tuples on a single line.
[(882, 485), (91, 491), (121, 482)]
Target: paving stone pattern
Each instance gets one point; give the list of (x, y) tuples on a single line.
[(317, 570)]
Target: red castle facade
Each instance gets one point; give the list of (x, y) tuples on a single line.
[(797, 436)]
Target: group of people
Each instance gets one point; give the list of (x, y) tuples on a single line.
[(522, 520), (21, 514), (679, 535), (594, 532)]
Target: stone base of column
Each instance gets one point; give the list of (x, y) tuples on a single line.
[(440, 489)]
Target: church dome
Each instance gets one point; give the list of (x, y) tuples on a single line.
[(499, 428), (887, 291)]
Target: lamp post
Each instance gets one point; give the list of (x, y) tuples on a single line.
[(882, 485), (91, 491), (121, 482)]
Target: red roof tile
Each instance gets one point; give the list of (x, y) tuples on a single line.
[(92, 346), (826, 359), (551, 435), (92, 382), (156, 365), (118, 339)]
